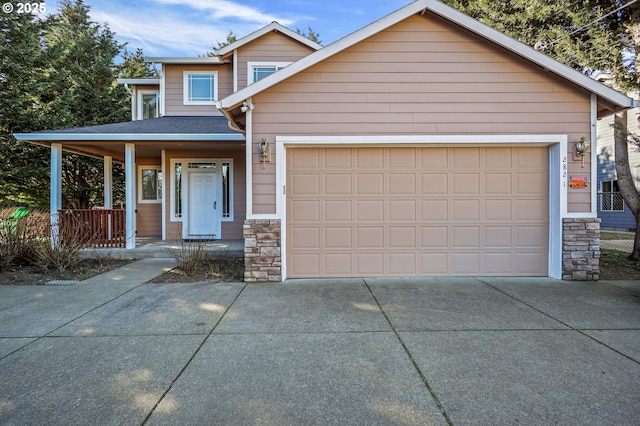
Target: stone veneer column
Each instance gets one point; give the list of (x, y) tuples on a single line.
[(581, 249), (262, 252)]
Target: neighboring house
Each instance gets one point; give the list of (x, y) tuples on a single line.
[(423, 144), (612, 209)]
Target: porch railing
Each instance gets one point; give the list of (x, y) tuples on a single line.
[(99, 228)]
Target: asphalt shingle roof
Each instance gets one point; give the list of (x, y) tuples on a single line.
[(162, 125)]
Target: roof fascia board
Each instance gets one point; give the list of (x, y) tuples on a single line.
[(139, 81), (529, 53), (274, 26), (127, 137), (451, 15), (183, 60), (325, 52)]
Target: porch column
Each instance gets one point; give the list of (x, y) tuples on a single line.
[(55, 195), (130, 193), (108, 182)]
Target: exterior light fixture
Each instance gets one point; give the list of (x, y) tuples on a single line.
[(581, 148), (264, 150), (246, 106)]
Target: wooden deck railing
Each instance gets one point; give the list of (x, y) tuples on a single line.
[(99, 228)]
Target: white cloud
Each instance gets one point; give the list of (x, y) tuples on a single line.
[(221, 9), (165, 34)]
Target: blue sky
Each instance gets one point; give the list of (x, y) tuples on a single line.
[(191, 27)]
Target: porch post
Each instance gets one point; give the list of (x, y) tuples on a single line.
[(108, 182), (55, 195), (130, 193)]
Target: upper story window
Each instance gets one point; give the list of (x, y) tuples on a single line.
[(259, 70), (148, 104), (611, 199), (200, 87)]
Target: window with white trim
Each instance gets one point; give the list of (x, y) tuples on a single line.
[(200, 87), (149, 184), (181, 166), (610, 198), (148, 104), (259, 70)]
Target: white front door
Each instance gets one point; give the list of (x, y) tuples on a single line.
[(204, 206)]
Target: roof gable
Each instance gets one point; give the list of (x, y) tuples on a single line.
[(274, 26), (616, 99)]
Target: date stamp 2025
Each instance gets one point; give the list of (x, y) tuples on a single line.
[(20, 8)]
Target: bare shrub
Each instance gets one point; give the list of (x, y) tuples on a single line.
[(61, 251), (190, 256), (20, 237)]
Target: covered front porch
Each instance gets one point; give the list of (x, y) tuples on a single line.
[(184, 180)]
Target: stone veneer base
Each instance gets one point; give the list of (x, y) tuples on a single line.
[(262, 250), (581, 249)]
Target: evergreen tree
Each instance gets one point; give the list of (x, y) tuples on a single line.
[(22, 64)]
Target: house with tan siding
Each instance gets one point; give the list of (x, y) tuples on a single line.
[(424, 144)]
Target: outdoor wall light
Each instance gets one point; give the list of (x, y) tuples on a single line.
[(264, 150), (246, 106), (581, 148)]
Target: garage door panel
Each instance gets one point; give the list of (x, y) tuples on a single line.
[(417, 211), (465, 183), (369, 264), (306, 211), (338, 211), (465, 210), (465, 237), (338, 237), (402, 237), (370, 237), (305, 238), (465, 263), (402, 184), (434, 237), (498, 237), (402, 263), (498, 210), (338, 264), (497, 183), (532, 210), (434, 158), (468, 158), (401, 210), (305, 264), (433, 264), (338, 184), (370, 210), (433, 183)]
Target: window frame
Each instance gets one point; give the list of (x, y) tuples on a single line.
[(159, 188), (611, 195), (186, 92), (141, 93), (251, 65)]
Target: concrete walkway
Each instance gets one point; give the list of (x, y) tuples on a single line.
[(113, 350)]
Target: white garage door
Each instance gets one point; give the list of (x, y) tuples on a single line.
[(366, 212)]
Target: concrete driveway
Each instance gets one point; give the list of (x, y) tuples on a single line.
[(113, 350)]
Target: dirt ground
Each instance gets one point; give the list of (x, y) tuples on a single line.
[(613, 266)]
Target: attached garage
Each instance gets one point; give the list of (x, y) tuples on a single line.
[(404, 211)]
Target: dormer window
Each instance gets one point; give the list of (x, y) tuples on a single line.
[(200, 87), (259, 70)]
